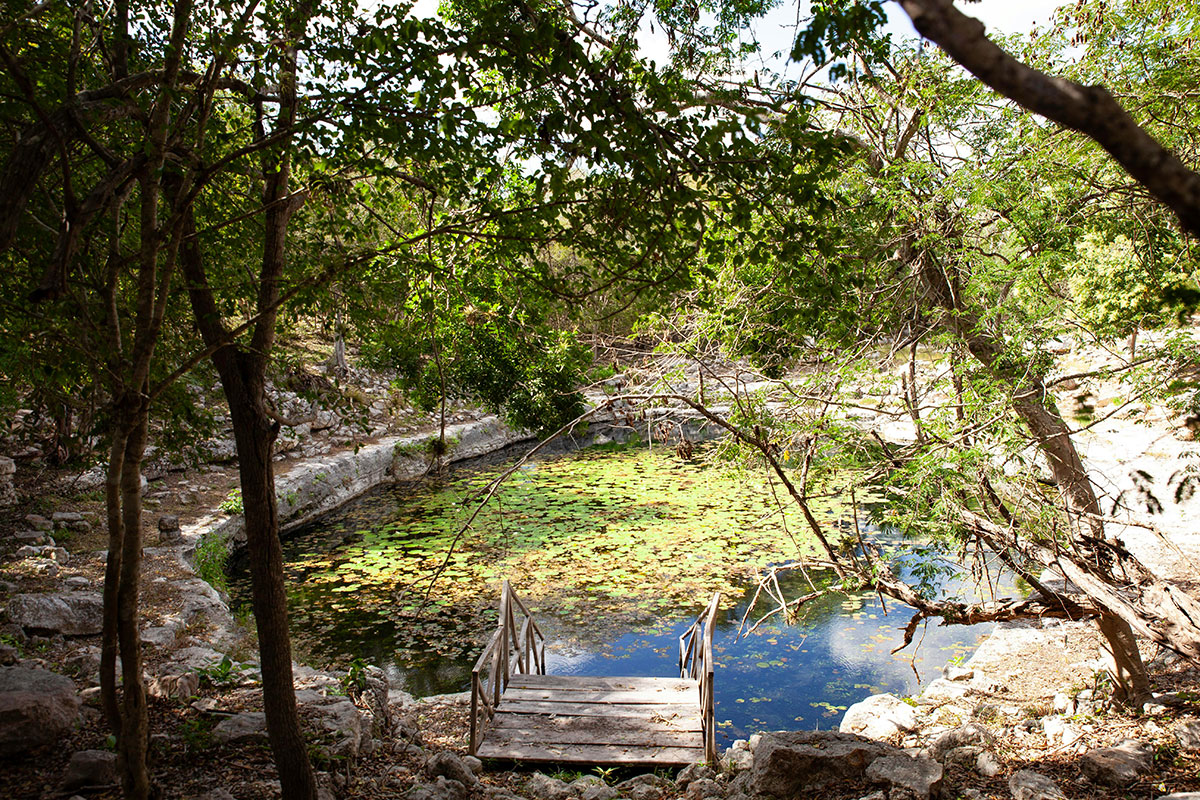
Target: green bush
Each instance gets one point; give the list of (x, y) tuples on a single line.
[(212, 554)]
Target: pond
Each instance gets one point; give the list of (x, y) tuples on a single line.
[(615, 550)]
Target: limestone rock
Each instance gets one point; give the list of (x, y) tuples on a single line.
[(879, 717), (953, 672), (90, 768), (920, 776), (1058, 730), (601, 791), (1187, 733), (1180, 796), (970, 735), (988, 764), (473, 764), (789, 762), (584, 782), (173, 687), (1118, 765), (448, 764), (693, 772), (8, 492), (1025, 784), (738, 757), (702, 789), (38, 523), (37, 707), (644, 787), (543, 787), (245, 728), (72, 614), (442, 789), (343, 718)]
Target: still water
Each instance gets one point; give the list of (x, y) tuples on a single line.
[(615, 551)]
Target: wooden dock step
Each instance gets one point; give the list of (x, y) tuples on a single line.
[(619, 721)]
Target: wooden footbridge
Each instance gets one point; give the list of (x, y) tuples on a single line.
[(520, 713)]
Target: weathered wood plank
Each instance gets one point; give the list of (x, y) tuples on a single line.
[(594, 682), (608, 735), (671, 712), (593, 754), (690, 695)]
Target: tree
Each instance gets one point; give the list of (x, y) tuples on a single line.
[(931, 252)]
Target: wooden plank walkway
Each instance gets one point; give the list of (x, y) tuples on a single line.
[(627, 721), (519, 713)]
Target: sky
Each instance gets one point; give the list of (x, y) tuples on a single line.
[(777, 30), (1005, 16)]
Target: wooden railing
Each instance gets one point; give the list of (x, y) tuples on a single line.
[(512, 650), (696, 663)]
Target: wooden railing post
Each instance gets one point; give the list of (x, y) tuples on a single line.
[(696, 663), (527, 644)]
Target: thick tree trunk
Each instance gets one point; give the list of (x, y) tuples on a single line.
[(243, 380), (254, 432)]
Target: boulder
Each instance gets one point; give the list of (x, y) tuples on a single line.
[(1025, 784), (920, 776), (8, 492), (988, 764), (584, 782), (789, 762), (37, 707), (341, 717), (249, 727), (38, 523), (90, 768), (702, 789), (644, 787), (449, 765), (1118, 765), (169, 531), (543, 787), (173, 687), (72, 614), (442, 789), (738, 757), (600, 791), (693, 772), (970, 735), (880, 716), (1187, 733)]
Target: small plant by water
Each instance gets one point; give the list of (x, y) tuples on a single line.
[(224, 673), (232, 504), (212, 555)]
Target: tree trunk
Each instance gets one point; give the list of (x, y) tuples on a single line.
[(134, 739), (125, 710), (243, 380), (254, 432), (1053, 438)]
